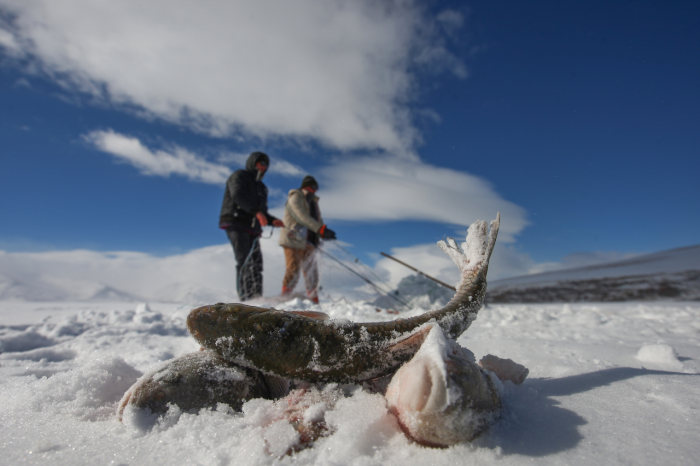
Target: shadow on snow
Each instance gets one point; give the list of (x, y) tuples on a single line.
[(533, 423)]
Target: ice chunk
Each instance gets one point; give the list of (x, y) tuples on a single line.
[(505, 369), (660, 354)]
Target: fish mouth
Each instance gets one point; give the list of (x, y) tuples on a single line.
[(203, 317), (219, 317)]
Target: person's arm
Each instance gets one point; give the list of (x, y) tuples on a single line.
[(274, 221)]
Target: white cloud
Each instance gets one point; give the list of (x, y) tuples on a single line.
[(335, 71), (284, 168), (451, 20), (177, 161), (8, 41), (394, 188)]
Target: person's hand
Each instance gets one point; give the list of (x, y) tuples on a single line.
[(277, 223), (261, 218), (327, 233)]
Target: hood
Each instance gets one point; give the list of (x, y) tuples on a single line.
[(307, 196), (254, 158)]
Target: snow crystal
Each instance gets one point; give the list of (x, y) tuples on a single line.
[(89, 392)]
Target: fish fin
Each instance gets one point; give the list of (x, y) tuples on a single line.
[(278, 386), (311, 314), (493, 233), (412, 343), (478, 248)]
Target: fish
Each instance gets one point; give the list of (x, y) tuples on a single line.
[(441, 397), (199, 380), (303, 347)]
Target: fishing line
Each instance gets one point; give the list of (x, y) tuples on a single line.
[(359, 262), (368, 269), (370, 282), (390, 293), (242, 273)]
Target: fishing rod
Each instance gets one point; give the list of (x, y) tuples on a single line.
[(365, 268), (416, 270), (358, 261), (370, 282)]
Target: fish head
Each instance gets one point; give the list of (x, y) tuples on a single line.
[(441, 397)]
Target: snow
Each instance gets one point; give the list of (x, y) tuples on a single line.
[(660, 355), (608, 383), (613, 383)]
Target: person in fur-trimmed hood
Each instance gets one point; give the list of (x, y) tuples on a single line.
[(303, 226)]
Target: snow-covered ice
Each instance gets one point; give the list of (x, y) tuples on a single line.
[(614, 383)]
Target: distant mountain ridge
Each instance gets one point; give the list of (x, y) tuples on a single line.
[(668, 275)]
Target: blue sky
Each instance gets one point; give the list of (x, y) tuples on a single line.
[(579, 121)]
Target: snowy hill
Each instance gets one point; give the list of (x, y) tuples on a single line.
[(202, 275), (672, 274)]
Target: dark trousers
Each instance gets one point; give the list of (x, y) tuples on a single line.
[(249, 263)]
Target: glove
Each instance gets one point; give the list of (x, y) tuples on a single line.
[(326, 233), (261, 218)]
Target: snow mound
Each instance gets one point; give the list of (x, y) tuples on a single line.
[(662, 355), (89, 392), (418, 291)]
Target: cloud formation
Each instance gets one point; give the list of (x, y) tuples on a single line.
[(395, 188), (177, 161), (340, 72), (353, 188)]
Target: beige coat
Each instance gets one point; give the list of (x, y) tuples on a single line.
[(298, 220)]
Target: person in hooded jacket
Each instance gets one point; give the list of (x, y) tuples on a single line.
[(243, 215), (303, 226)]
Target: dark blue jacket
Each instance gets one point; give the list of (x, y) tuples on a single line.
[(245, 196)]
